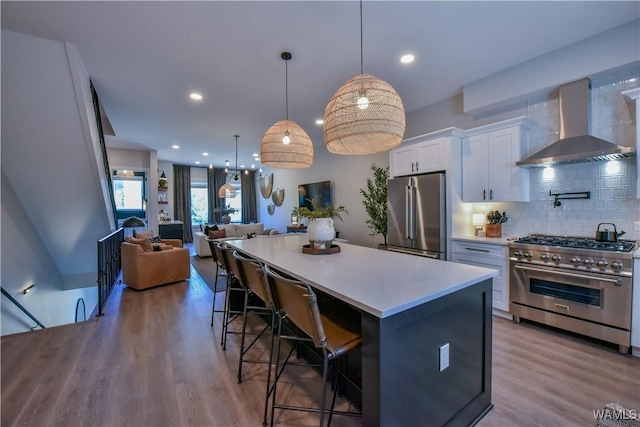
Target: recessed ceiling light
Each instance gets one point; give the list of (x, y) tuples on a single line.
[(257, 159), (241, 166), (210, 166), (197, 162), (195, 96), (319, 122), (407, 59), (175, 147), (255, 154), (205, 154)]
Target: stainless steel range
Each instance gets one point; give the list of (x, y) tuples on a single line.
[(573, 283)]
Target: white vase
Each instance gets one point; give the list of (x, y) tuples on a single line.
[(321, 233)]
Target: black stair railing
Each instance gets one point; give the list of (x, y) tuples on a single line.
[(103, 148), (84, 309), (109, 265), (24, 310)]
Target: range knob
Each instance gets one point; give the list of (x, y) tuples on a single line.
[(617, 265), (544, 257), (575, 260), (517, 253), (528, 254), (587, 262), (602, 264), (556, 259)]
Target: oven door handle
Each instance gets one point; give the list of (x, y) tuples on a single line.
[(617, 282)]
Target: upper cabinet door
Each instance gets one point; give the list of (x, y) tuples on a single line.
[(474, 150), (402, 161), (489, 171)]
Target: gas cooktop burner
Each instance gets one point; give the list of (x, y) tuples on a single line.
[(577, 243)]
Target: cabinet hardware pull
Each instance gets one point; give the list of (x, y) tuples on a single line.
[(490, 194), (484, 194), (566, 307), (412, 167), (417, 167), (478, 250)]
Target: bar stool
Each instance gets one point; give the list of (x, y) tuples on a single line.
[(250, 273), (215, 254), (297, 301), (228, 262)]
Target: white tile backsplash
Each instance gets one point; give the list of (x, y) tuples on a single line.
[(613, 192)]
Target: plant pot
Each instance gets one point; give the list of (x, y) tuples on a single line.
[(493, 230), (321, 232), (226, 219)]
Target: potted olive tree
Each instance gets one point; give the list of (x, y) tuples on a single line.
[(375, 202), (225, 211)]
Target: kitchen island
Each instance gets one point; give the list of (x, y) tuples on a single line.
[(410, 308)]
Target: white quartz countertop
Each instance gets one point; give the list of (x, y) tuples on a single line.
[(381, 283)]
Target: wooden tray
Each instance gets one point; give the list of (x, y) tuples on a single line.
[(307, 249)]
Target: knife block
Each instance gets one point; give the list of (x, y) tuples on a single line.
[(493, 230)]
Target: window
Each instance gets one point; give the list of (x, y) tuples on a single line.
[(130, 196), (236, 202), (199, 204)]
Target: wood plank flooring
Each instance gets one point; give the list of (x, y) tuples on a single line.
[(154, 360)]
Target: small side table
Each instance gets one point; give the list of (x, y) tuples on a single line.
[(171, 230), (296, 228)]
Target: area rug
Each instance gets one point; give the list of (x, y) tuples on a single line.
[(207, 270), (614, 415)]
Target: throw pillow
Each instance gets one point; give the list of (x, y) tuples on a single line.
[(156, 239), (143, 234), (217, 234), (208, 228), (145, 243)]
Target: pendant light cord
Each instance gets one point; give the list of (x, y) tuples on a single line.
[(286, 88), (236, 175), (361, 54)]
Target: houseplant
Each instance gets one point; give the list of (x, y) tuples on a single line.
[(225, 211), (375, 201), (320, 230)]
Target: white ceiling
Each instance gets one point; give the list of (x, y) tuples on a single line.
[(145, 57)]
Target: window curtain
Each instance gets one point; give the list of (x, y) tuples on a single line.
[(182, 199), (249, 204), (215, 179)]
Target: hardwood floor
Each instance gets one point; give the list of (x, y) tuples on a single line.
[(154, 360)]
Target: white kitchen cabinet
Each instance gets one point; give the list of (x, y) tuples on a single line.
[(488, 255), (414, 157), (489, 156)]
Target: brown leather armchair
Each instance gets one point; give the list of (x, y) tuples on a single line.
[(142, 269)]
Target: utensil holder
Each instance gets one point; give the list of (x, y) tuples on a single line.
[(493, 230)]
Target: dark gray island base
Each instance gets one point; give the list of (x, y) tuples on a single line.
[(401, 381)]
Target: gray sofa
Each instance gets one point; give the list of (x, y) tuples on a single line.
[(233, 231)]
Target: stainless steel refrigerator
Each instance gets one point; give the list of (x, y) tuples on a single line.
[(416, 215)]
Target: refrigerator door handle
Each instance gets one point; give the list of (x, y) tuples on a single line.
[(412, 212), (407, 212)]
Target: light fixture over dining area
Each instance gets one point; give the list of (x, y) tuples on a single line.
[(365, 115), (285, 145), (228, 191)]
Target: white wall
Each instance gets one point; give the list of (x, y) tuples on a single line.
[(348, 174), (588, 57), (25, 261), (48, 153)]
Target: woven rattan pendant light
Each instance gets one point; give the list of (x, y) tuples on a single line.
[(285, 145), (365, 115), (228, 191)]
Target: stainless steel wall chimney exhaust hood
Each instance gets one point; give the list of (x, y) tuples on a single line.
[(576, 145)]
